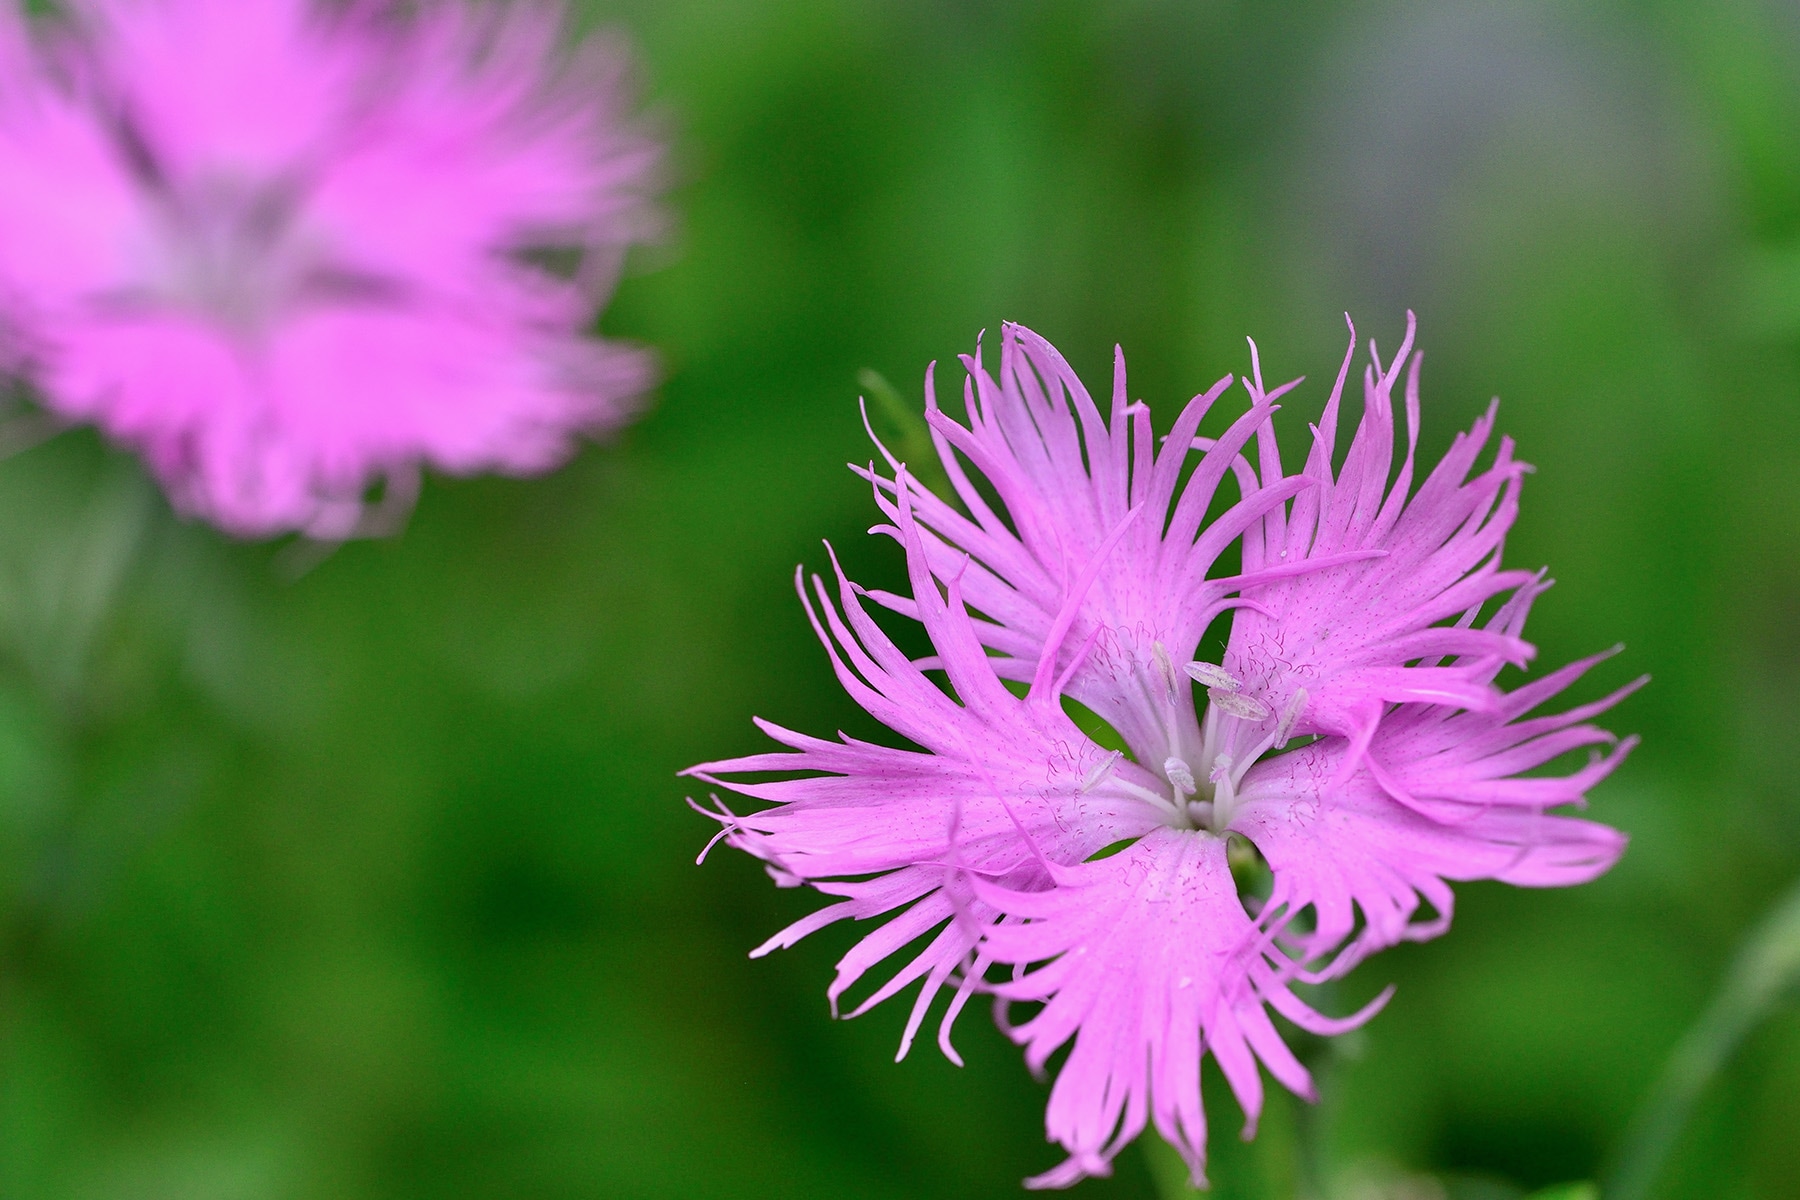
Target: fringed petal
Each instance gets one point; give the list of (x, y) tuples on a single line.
[(1146, 960)]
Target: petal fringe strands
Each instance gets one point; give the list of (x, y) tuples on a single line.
[(1353, 733), (293, 250), (1333, 647), (1070, 482)]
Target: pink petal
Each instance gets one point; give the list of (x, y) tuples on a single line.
[(1152, 961)]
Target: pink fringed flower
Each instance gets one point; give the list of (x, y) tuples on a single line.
[(1103, 880), (291, 249)]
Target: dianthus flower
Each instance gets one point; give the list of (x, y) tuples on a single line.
[(1352, 733), (293, 250)]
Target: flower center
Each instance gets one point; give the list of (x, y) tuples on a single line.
[(1236, 730), (231, 250), (240, 253)]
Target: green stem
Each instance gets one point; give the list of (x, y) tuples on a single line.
[(1766, 968)]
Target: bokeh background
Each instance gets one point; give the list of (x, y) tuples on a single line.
[(374, 879)]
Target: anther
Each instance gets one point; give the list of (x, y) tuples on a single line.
[(1181, 777), (1236, 704), (1101, 772), (1213, 676), (1285, 727), (1221, 770), (1166, 669)]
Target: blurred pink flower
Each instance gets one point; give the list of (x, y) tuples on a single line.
[(1011, 838), (291, 250)]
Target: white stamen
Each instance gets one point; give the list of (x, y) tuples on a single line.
[(1224, 791), (1165, 668), (1285, 727), (1236, 704), (1101, 771), (1202, 812), (1181, 777), (1214, 676)]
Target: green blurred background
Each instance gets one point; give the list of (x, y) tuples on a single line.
[(377, 882)]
